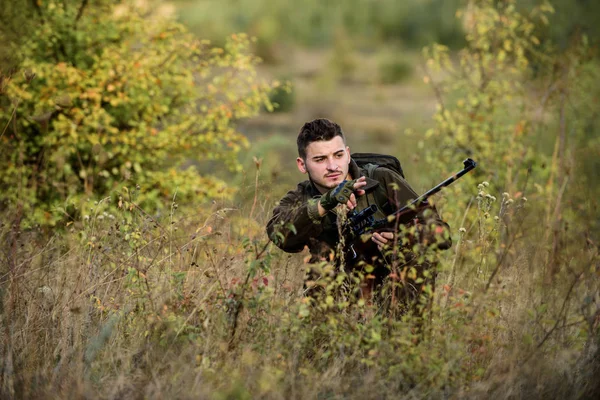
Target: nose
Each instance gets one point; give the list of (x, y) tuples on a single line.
[(331, 165)]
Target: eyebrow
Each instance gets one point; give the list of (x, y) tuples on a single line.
[(323, 156)]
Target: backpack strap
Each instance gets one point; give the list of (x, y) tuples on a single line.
[(370, 168), (379, 195)]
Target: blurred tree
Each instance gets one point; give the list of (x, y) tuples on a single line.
[(534, 137), (317, 23), (570, 19), (110, 94), (16, 24), (413, 23)]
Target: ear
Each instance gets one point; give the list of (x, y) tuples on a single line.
[(301, 165), (348, 151)]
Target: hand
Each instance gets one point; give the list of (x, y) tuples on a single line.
[(344, 193), (382, 238)]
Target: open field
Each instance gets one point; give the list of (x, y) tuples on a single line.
[(134, 261)]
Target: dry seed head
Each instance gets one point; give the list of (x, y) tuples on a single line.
[(29, 75)]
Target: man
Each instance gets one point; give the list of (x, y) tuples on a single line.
[(310, 215)]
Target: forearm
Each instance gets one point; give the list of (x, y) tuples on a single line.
[(292, 225)]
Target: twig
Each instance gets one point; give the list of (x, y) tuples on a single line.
[(10, 119), (37, 8), (501, 260), (80, 11), (452, 277), (238, 306), (214, 265), (549, 333), (255, 188)]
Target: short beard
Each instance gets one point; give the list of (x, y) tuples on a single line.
[(320, 188)]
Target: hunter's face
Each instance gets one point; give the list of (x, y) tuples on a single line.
[(326, 163)]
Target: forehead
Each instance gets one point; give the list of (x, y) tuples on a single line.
[(325, 147)]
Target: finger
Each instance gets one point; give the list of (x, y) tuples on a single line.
[(353, 199), (358, 184), (351, 203), (388, 235), (379, 244), (374, 238), (379, 238)]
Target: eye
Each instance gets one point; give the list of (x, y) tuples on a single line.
[(320, 159), (339, 155)]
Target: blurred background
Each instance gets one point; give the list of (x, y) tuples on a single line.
[(357, 62)]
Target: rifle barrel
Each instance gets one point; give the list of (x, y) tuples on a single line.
[(469, 165)]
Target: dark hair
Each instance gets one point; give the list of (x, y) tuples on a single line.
[(317, 130)]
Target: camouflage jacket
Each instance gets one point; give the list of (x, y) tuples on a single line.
[(294, 225)]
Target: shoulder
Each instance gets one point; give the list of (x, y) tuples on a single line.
[(303, 189), (392, 180), (384, 174), (301, 193)]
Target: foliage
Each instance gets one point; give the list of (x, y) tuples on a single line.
[(525, 133), (126, 302), (475, 95), (317, 23), (113, 95), (16, 20), (283, 98), (571, 20), (413, 23)]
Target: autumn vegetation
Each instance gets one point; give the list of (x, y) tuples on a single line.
[(134, 261)]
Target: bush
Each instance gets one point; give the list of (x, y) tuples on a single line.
[(394, 71), (283, 98), (111, 96)]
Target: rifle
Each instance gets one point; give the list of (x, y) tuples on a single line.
[(363, 222)]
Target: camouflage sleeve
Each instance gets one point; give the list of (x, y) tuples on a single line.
[(294, 222), (399, 193)]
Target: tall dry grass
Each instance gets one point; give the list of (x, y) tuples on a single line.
[(198, 304)]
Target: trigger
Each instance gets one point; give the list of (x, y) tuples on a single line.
[(354, 255)]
